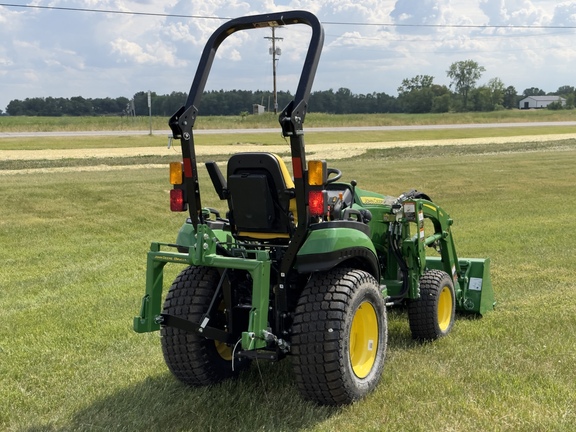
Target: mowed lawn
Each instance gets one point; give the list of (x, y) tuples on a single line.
[(73, 255)]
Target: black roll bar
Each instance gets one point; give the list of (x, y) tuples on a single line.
[(291, 118)]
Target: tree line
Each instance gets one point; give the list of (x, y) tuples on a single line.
[(220, 102), (418, 94)]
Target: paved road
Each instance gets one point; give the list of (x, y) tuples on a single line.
[(277, 130)]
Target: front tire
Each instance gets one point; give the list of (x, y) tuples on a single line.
[(339, 337), (432, 315), (193, 359)]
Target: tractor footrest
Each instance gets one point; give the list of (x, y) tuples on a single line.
[(192, 327), (259, 355)]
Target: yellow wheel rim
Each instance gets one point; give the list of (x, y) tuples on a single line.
[(445, 309), (363, 340), (224, 350)]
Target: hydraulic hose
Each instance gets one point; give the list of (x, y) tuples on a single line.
[(401, 263)]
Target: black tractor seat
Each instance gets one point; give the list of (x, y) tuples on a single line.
[(260, 197)]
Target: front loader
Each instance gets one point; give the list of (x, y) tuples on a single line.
[(298, 264)]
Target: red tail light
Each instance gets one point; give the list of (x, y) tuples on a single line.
[(177, 203), (316, 203)]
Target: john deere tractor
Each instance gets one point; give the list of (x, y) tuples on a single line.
[(298, 264)]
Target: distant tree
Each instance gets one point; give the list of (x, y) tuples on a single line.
[(416, 101), (35, 106), (141, 102), (481, 99), (464, 75), (80, 106), (569, 93), (510, 98), (418, 82), (555, 106), (215, 102), (169, 104), (386, 103), (363, 103), (533, 91), (415, 94), (15, 107), (497, 89), (109, 106), (343, 100), (565, 90), (442, 103), (322, 101)]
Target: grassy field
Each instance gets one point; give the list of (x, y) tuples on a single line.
[(73, 264), (43, 124), (275, 138)]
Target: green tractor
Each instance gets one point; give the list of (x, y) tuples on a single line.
[(302, 265)]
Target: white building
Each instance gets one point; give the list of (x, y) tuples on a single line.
[(258, 109), (539, 101)]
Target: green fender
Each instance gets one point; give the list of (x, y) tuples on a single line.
[(329, 245), (187, 235)]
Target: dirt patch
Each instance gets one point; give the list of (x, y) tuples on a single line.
[(91, 168), (324, 151)]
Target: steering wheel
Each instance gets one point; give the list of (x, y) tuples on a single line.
[(336, 177)]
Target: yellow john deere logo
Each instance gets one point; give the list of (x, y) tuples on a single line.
[(371, 200)]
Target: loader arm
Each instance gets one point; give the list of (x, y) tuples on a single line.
[(471, 277), (443, 236), (408, 240)]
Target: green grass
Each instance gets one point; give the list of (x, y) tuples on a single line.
[(73, 264), (393, 153), (38, 124), (275, 138)]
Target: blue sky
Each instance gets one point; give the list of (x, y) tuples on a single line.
[(43, 52)]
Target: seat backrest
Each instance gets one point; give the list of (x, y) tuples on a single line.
[(260, 196)]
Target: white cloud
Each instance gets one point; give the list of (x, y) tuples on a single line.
[(565, 14), (64, 53), (426, 12), (155, 53), (514, 12)]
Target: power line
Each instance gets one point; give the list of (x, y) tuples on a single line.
[(475, 26), (426, 39), (153, 14), (357, 24)]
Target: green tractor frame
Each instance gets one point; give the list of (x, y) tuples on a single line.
[(302, 265)]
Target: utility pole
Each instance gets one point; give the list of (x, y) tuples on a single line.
[(150, 110), (274, 51)]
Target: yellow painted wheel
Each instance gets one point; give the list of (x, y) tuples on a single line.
[(224, 350), (363, 340), (339, 336), (192, 358), (432, 315), (445, 308)]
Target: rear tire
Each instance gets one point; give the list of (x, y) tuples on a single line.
[(193, 359), (339, 337), (432, 315)]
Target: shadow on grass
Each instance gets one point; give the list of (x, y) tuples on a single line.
[(263, 398), (399, 334)]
